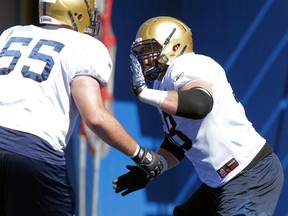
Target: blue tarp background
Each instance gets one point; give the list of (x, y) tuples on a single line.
[(249, 38)]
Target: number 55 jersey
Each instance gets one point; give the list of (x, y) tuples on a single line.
[(37, 65)]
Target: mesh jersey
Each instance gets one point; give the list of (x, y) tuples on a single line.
[(223, 143), (37, 65)]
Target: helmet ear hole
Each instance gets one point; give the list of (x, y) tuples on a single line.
[(79, 17), (176, 47)]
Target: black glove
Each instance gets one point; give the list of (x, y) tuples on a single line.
[(131, 181), (151, 162)]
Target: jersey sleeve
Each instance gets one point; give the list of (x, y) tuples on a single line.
[(7, 32), (96, 63), (189, 68)]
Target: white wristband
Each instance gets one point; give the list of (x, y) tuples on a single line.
[(136, 152), (152, 96)]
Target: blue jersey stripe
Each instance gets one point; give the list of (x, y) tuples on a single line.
[(29, 145)]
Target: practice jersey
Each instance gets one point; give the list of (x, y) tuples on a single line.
[(222, 144), (37, 65)]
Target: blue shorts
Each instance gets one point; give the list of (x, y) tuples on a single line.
[(255, 192), (34, 188)]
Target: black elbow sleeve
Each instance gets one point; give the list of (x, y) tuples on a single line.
[(177, 151), (194, 103)]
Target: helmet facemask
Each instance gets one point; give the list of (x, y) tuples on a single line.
[(94, 27), (80, 15), (148, 53)]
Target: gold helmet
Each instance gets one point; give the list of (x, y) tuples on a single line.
[(158, 42), (79, 14)]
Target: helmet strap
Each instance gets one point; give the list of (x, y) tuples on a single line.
[(73, 21), (183, 50)]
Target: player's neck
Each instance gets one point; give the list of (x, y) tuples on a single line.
[(60, 26)]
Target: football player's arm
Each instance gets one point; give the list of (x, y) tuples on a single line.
[(171, 152), (193, 101), (86, 93)]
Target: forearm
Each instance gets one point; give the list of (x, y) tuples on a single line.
[(165, 100), (172, 161), (108, 128), (87, 97), (194, 103)]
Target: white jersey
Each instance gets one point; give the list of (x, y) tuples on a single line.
[(223, 143), (37, 65)]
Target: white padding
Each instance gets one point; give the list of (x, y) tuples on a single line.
[(152, 96)]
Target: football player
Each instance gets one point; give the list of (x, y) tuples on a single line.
[(204, 121), (49, 74)]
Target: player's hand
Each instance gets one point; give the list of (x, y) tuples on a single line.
[(151, 162), (131, 181), (137, 77)]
